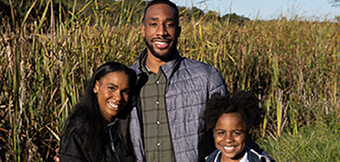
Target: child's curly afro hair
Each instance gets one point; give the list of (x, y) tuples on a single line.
[(242, 102)]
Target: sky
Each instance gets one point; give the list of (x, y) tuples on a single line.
[(268, 9)]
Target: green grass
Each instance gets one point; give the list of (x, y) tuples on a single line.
[(291, 65), (319, 142)]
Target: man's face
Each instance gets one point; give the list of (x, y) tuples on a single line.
[(160, 31)]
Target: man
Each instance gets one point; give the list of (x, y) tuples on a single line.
[(166, 124)]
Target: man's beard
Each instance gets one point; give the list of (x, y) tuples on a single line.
[(166, 57)]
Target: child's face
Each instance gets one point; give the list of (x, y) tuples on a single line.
[(230, 136)]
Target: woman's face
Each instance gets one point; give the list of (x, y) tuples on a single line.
[(230, 136), (112, 93)]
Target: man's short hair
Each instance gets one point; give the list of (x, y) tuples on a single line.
[(171, 4)]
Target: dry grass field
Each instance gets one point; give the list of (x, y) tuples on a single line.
[(292, 65)]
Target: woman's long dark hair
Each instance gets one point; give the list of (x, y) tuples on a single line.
[(88, 119)]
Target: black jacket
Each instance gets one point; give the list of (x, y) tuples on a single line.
[(72, 144), (253, 156)]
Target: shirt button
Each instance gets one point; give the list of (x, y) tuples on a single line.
[(158, 144), (157, 102), (157, 82), (157, 122)]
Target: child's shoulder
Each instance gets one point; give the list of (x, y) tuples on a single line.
[(254, 156), (212, 156)]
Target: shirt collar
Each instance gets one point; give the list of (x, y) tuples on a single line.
[(244, 158), (168, 68)]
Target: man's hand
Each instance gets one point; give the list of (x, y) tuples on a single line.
[(56, 157)]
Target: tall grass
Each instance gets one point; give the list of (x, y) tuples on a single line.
[(291, 65), (313, 143)]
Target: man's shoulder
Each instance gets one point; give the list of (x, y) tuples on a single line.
[(194, 62), (190, 64)]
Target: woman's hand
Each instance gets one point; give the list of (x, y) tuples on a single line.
[(56, 157)]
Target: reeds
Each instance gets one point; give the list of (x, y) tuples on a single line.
[(291, 65)]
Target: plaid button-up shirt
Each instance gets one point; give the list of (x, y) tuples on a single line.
[(157, 140)]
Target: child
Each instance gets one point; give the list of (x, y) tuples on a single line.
[(232, 118)]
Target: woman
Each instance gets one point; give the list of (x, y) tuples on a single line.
[(97, 130)]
